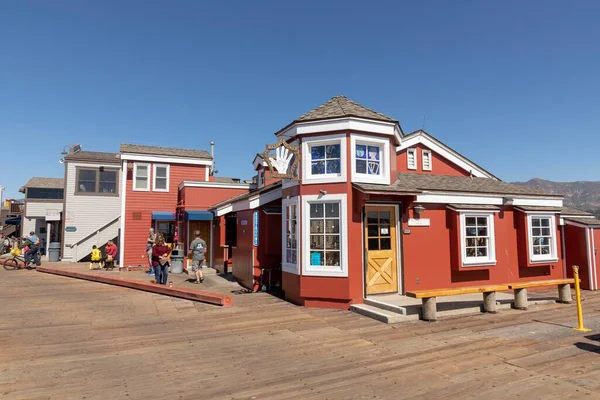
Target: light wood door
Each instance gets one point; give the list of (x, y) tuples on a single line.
[(380, 247), (204, 228)]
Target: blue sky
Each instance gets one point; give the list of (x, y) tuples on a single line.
[(512, 85)]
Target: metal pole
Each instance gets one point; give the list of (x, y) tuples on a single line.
[(580, 327)]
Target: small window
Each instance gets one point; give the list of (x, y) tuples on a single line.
[(141, 175), (87, 180), (291, 235), (426, 160), (99, 181), (161, 178), (325, 159), (368, 159), (411, 158), (261, 178), (542, 240), (108, 181), (477, 239), (45, 193), (166, 229)]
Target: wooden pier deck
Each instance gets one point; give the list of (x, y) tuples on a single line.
[(65, 338)]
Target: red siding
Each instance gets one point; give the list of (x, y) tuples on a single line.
[(439, 165), (199, 198), (577, 253), (136, 230)]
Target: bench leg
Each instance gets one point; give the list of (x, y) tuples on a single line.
[(429, 309), (521, 302), (564, 294), (489, 302)]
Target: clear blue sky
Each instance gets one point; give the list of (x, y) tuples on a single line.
[(514, 85)]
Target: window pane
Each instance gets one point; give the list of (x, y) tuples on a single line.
[(482, 242), (386, 244), (318, 167), (333, 166), (332, 242), (545, 249), (545, 231), (481, 221), (317, 226), (87, 180), (545, 222), (160, 183), (316, 242), (161, 172), (536, 231), (470, 252), (384, 217), (535, 222), (536, 250), (333, 151), (108, 181), (332, 210), (332, 226), (373, 230), (372, 218), (470, 221), (316, 210), (373, 244), (361, 166), (481, 252), (542, 241), (142, 171), (332, 258), (45, 193), (384, 230), (373, 168), (471, 231), (373, 153), (317, 152), (471, 242), (361, 151), (481, 231), (141, 183)]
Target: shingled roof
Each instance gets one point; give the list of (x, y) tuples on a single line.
[(244, 196), (96, 156), (339, 107), (165, 151), (45, 183), (418, 183)]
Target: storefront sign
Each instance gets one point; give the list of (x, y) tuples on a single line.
[(284, 162), (256, 227), (418, 222), (52, 215), (71, 229)]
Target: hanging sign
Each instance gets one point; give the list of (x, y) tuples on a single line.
[(256, 228), (284, 163)]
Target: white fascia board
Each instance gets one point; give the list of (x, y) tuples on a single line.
[(288, 183), (164, 159), (342, 124), (445, 152), (497, 200), (256, 163), (249, 204), (223, 210), (217, 185)]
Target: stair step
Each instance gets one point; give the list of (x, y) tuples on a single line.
[(380, 314), (385, 306)]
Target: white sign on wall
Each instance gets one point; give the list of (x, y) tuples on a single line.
[(418, 222), (52, 215)]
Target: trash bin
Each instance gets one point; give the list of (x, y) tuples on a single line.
[(176, 261), (54, 252)]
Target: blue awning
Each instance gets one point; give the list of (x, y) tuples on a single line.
[(13, 221), (163, 216), (193, 215)]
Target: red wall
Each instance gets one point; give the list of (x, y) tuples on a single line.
[(136, 230), (577, 253), (199, 198), (440, 166)]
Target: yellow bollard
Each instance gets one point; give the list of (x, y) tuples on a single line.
[(580, 327)]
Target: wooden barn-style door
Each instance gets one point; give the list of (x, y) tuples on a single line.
[(381, 250)]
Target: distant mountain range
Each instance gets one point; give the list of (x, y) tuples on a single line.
[(581, 195)]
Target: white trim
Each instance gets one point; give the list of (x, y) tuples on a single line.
[(384, 159), (472, 210), (491, 247), (285, 266), (589, 257), (307, 269), (342, 124), (249, 203), (429, 158), (563, 250), (212, 244), (580, 225), (206, 174), (445, 152), (149, 177), (123, 195), (154, 175), (256, 163), (415, 158), (592, 248), (543, 258), (307, 177), (489, 199), (218, 185), (165, 159)]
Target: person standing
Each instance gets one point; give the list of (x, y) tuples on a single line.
[(160, 260), (197, 253), (111, 254), (149, 244)]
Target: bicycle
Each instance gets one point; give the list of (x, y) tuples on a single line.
[(17, 261)]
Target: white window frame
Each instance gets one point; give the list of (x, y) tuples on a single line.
[(261, 177), (135, 172), (307, 177), (478, 261), (384, 159), (415, 157), (542, 258), (426, 154), (307, 269), (285, 266), (154, 176)]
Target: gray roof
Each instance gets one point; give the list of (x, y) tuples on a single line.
[(98, 156), (264, 189), (418, 183), (539, 208), (339, 107), (165, 151), (574, 211), (585, 221), (224, 179), (46, 183), (473, 207)]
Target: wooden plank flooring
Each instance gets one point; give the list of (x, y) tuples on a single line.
[(65, 338)]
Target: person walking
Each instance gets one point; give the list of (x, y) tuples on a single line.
[(197, 253), (149, 244), (160, 260)]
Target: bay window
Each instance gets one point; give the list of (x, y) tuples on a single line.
[(370, 159), (324, 159), (542, 238), (477, 239)]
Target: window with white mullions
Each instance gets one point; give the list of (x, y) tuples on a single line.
[(161, 178), (542, 238), (477, 239), (325, 234), (325, 159), (368, 159), (141, 174), (291, 232)]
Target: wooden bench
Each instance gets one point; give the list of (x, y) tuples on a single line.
[(520, 290), (429, 297)]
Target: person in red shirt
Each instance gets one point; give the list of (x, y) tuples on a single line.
[(111, 254), (160, 260)]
